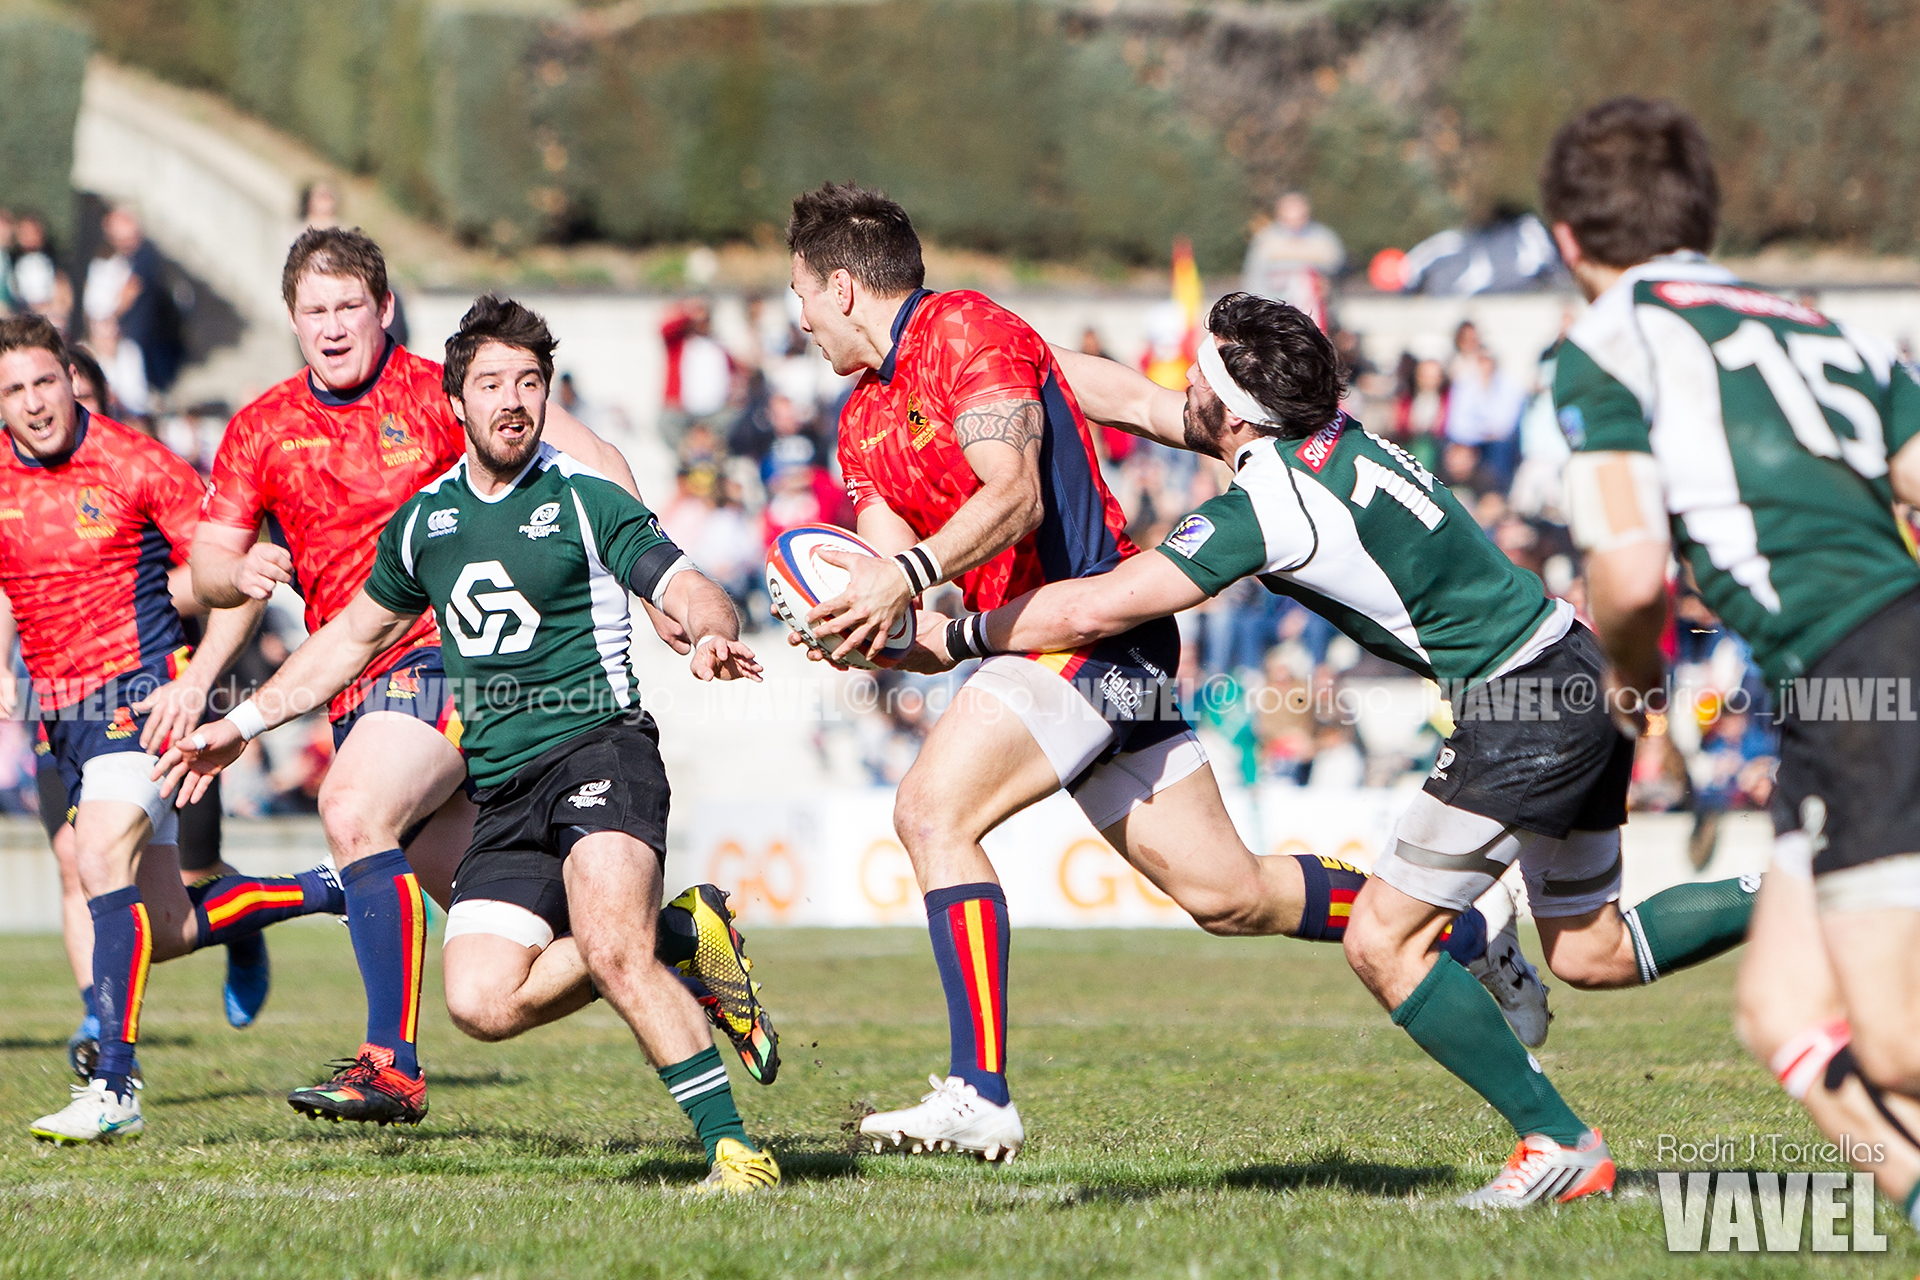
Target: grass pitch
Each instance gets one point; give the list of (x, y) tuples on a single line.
[(1194, 1106)]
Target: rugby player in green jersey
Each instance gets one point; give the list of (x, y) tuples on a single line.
[(527, 557), (1535, 772), (1763, 445)]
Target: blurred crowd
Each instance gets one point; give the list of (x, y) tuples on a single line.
[(752, 418)]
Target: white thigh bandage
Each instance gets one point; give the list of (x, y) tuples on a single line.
[(1070, 730), (1614, 500), (1885, 884), (1573, 876), (1115, 789), (1446, 856), (501, 919), (128, 776)]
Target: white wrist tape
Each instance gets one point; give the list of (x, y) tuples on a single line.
[(921, 567), (248, 719), (711, 635), (1614, 500)]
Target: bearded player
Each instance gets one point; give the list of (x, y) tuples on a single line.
[(322, 461), (968, 461), (572, 796), (1763, 445), (95, 522)]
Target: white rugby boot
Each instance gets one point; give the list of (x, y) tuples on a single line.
[(1504, 971), (1541, 1169), (954, 1117), (94, 1115)]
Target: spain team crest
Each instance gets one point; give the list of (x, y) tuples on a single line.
[(90, 506)]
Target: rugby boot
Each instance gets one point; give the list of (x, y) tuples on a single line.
[(721, 978), (739, 1170), (954, 1117), (1541, 1169), (96, 1114), (1504, 971), (366, 1088)]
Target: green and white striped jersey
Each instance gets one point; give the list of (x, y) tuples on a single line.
[(1354, 528), (530, 586), (1772, 426)]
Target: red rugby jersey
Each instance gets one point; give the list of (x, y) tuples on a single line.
[(85, 546), (332, 470), (958, 351)]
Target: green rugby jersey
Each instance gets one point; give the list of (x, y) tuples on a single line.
[(1354, 528), (1772, 426), (530, 586)]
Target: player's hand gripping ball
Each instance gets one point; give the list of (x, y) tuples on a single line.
[(798, 579)]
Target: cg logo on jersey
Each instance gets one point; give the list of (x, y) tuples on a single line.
[(485, 614)]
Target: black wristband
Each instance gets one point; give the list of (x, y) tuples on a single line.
[(919, 567), (967, 637)]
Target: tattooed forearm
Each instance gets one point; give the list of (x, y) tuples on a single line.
[(1016, 423)]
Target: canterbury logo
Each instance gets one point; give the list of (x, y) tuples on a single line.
[(485, 614)]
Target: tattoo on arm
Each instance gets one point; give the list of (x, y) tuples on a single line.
[(1019, 424)]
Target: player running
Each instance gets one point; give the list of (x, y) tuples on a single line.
[(969, 461), (322, 461), (94, 529), (529, 555), (1535, 773), (1762, 444)]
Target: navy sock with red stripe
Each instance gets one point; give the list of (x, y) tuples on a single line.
[(229, 908), (122, 954), (968, 924), (386, 915), (1331, 886)]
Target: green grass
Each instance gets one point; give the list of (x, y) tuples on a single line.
[(1194, 1106)]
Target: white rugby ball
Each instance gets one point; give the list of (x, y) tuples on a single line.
[(798, 579)]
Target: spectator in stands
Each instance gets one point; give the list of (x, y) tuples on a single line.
[(126, 282), (1420, 411), (6, 261), (37, 282), (1483, 421), (1293, 257), (123, 364), (699, 380)]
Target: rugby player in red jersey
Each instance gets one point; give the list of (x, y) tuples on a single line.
[(323, 460), (969, 461), (95, 522)]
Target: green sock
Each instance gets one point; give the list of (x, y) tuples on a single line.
[(1452, 1017), (701, 1088), (1690, 923)]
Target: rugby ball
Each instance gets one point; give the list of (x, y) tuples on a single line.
[(798, 579)]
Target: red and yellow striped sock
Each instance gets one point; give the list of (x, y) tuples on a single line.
[(968, 924), (122, 954), (387, 917)]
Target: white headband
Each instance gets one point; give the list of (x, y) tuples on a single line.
[(1232, 394)]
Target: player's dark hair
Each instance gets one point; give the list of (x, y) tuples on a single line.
[(842, 227), (335, 251), (31, 329), (1279, 357), (1633, 179), (492, 318)]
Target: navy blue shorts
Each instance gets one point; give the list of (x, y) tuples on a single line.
[(417, 686), (102, 723)]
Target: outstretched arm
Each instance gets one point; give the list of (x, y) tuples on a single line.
[(1068, 615), (318, 670), (703, 611), (1117, 396)]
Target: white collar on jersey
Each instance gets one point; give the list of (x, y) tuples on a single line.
[(1234, 396)]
